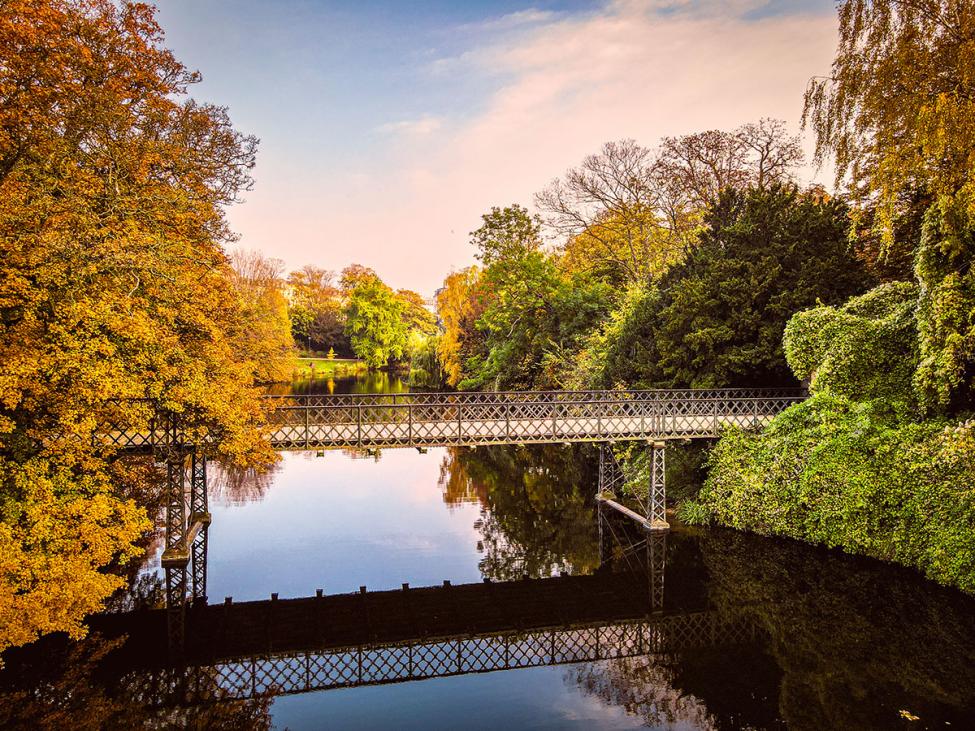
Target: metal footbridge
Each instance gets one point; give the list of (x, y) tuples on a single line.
[(379, 421)]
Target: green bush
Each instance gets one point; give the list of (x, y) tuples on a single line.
[(865, 349), (848, 474)]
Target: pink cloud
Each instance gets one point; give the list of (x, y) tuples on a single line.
[(571, 84)]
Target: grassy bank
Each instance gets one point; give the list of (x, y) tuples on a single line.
[(328, 368)]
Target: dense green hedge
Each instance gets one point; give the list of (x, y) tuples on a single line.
[(865, 349), (848, 474)]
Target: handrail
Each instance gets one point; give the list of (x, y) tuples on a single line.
[(498, 397)]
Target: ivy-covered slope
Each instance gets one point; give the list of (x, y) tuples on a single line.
[(861, 465)]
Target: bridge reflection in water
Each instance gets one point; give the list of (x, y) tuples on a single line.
[(235, 651)]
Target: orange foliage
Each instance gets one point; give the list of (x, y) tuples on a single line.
[(459, 306), (113, 284)]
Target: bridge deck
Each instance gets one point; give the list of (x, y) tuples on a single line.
[(447, 419)]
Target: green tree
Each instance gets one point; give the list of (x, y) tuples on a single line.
[(375, 323), (898, 114), (764, 255), (506, 233), (534, 322), (416, 316), (622, 352), (532, 316), (865, 349)]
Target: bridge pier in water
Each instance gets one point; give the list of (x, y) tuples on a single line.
[(612, 480)]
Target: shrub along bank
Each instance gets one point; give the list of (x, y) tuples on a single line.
[(862, 465)]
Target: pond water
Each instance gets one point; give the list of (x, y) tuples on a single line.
[(734, 631)]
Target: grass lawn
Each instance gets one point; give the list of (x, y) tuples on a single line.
[(325, 368)]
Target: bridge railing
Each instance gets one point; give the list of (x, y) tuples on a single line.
[(424, 419), (660, 638), (439, 418)]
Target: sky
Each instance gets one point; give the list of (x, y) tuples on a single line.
[(388, 128)]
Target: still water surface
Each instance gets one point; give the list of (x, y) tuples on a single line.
[(830, 641)]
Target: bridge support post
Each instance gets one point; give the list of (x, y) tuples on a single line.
[(611, 477), (175, 553), (199, 525), (657, 489)]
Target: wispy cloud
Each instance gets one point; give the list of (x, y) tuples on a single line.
[(425, 125), (510, 21)]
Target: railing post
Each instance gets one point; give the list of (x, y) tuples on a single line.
[(358, 422), (714, 417), (409, 416), (307, 436)]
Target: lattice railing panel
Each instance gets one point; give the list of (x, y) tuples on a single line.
[(299, 672)]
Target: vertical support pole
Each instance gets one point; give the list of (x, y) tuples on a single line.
[(200, 521), (604, 461), (199, 566), (409, 413), (358, 422), (175, 456), (175, 557), (657, 492), (306, 409), (175, 499), (599, 523), (607, 538), (199, 504)]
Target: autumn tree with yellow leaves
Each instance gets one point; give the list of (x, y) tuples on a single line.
[(114, 286)]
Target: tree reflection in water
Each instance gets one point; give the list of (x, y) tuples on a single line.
[(645, 688), (229, 485), (843, 643), (536, 506)]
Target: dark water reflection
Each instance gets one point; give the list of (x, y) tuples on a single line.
[(737, 631)]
